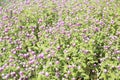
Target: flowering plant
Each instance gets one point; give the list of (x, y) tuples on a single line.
[(60, 40)]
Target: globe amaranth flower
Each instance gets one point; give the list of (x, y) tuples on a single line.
[(40, 21), (21, 73), (41, 56), (1, 69), (105, 70), (42, 72), (57, 62), (13, 74), (27, 1), (118, 67), (46, 74), (1, 8), (4, 18), (31, 61)]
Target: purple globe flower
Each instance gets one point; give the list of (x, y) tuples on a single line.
[(46, 74), (27, 1), (21, 73), (6, 30), (40, 21), (69, 72), (49, 56), (42, 72), (26, 55), (7, 76), (117, 51), (73, 79), (57, 74), (1, 8), (4, 18), (74, 44), (85, 51), (1, 69), (13, 74), (3, 49), (31, 61), (57, 62), (105, 70), (118, 58), (32, 52), (13, 51), (41, 56), (96, 29), (59, 47), (118, 67)]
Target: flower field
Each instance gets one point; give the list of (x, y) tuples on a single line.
[(60, 40)]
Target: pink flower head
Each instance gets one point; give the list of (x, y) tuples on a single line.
[(85, 51), (13, 73), (46, 74), (40, 21), (57, 62), (118, 67), (4, 18), (78, 24), (42, 72), (1, 69), (32, 52), (118, 58), (105, 70), (13, 51), (6, 29), (31, 61), (41, 55), (27, 1), (0, 8), (26, 55), (21, 73), (73, 79)]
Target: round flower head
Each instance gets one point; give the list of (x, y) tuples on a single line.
[(41, 55)]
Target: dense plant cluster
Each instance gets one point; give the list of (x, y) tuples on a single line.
[(60, 40)]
